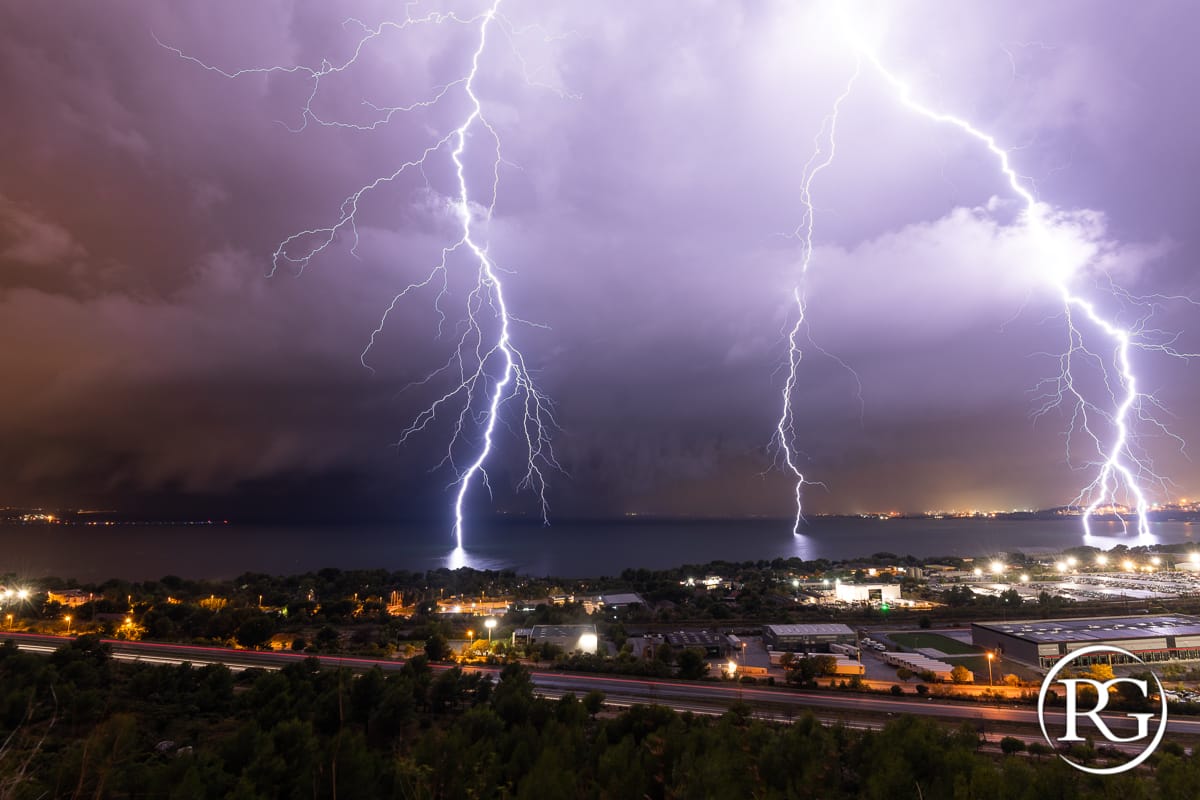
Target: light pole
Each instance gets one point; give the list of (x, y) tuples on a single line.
[(490, 625), (68, 619), (991, 656)]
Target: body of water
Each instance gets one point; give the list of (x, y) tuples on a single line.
[(567, 549)]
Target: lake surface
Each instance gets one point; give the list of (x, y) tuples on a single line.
[(567, 549)]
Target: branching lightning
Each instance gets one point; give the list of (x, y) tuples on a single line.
[(785, 430), (488, 370), (1122, 467)]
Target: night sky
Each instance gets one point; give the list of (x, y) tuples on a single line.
[(653, 160)]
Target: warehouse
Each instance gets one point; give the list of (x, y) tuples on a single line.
[(871, 593), (570, 638), (806, 638), (1040, 643), (713, 644)]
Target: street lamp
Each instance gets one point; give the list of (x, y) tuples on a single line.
[(997, 568), (1102, 559), (1072, 561), (991, 656), (68, 619), (9, 618), (490, 624), (1024, 579)]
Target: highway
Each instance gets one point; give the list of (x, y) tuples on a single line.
[(697, 697)]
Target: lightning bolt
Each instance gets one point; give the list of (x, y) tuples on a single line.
[(824, 151), (487, 369), (1122, 467)]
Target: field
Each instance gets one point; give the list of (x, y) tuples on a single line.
[(936, 641)]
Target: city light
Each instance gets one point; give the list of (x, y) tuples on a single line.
[(1072, 562), (1127, 565), (490, 625), (1102, 559), (1060, 566), (978, 572), (997, 568), (1024, 579), (731, 668)]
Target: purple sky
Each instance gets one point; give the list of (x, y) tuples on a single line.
[(653, 158)]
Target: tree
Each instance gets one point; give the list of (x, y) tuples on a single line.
[(436, 647), (960, 674), (691, 664), (255, 632), (787, 660), (1100, 672), (1012, 680), (905, 674), (593, 702), (1010, 745)]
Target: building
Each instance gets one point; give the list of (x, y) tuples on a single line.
[(68, 597), (867, 592), (482, 607), (806, 638), (571, 638), (1041, 643), (714, 645)]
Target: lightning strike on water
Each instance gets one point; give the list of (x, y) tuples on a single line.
[(1122, 467), (785, 430), (487, 368)]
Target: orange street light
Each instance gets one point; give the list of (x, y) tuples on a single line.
[(490, 625), (68, 619), (991, 657)]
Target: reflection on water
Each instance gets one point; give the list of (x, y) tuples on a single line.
[(566, 549)]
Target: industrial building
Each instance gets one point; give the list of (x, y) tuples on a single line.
[(806, 638), (867, 592), (571, 638), (1040, 643), (714, 645)]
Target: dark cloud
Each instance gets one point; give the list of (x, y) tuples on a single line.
[(652, 171)]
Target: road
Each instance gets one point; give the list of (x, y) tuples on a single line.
[(697, 697)]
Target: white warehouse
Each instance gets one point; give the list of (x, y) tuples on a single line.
[(868, 592)]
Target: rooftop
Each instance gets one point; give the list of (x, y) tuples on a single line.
[(818, 629), (543, 631), (1098, 628), (697, 638)]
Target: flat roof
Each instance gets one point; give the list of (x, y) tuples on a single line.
[(819, 629), (1098, 628), (704, 638), (543, 631)]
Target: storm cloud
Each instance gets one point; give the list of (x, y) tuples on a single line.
[(653, 159)]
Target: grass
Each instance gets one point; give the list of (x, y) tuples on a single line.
[(936, 641)]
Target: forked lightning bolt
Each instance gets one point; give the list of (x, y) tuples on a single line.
[(1122, 468), (487, 369)]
